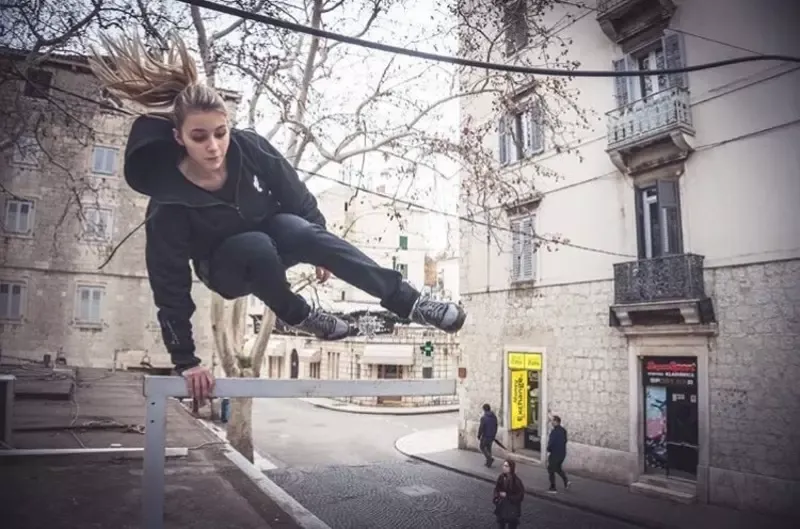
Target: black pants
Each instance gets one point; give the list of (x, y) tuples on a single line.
[(554, 467), (507, 525), (255, 262), (486, 449)]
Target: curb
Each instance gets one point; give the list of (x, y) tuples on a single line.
[(383, 411), (644, 523), (293, 508)]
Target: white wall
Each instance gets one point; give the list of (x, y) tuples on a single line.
[(740, 189)]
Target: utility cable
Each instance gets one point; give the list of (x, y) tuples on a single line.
[(299, 28)]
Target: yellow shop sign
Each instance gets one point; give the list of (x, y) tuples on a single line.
[(527, 361)]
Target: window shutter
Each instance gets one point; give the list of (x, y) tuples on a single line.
[(621, 91), (516, 250), (528, 249), (502, 147), (639, 205), (535, 140), (669, 202), (675, 57)]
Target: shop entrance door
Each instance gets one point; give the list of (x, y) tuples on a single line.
[(533, 434), (671, 416)]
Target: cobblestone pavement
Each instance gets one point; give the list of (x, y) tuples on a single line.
[(415, 495)]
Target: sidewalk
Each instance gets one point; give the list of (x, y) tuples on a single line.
[(440, 448), (207, 485), (335, 405)]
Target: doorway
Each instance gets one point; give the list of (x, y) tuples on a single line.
[(671, 445), (390, 372), (294, 366), (533, 434)]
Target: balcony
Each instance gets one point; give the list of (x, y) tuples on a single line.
[(623, 20), (661, 291), (651, 132)]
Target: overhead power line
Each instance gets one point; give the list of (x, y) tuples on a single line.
[(299, 28)]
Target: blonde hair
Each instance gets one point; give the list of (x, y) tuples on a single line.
[(154, 80)]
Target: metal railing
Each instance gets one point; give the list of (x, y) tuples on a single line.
[(157, 389), (649, 117), (668, 278)]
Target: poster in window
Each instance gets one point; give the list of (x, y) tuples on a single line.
[(519, 399)]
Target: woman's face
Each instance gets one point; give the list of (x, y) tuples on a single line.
[(506, 467), (206, 137)]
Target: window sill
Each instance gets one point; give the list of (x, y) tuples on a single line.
[(15, 235), (87, 326), (20, 321), (523, 284)]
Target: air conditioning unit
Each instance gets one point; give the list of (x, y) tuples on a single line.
[(6, 410)]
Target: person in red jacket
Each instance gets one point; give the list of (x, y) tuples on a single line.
[(228, 202)]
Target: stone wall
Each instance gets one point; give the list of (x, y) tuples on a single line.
[(754, 372), (585, 364), (754, 366)]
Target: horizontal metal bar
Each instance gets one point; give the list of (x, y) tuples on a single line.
[(265, 388), (17, 452)]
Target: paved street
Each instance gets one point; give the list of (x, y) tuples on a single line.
[(415, 495), (292, 433), (344, 468)]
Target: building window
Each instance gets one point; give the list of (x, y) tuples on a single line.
[(665, 53), (104, 160), (515, 23), (658, 215), (19, 216), (343, 295), (37, 83), (12, 300), (333, 366), (403, 242), (89, 305), (427, 372), (403, 269), (275, 367), (523, 251), (521, 134), (314, 369), (97, 224), (26, 151)]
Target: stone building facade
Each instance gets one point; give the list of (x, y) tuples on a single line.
[(53, 296), (670, 346)]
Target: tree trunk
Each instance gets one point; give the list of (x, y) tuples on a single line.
[(240, 431)]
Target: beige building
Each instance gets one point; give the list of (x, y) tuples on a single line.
[(670, 347), (53, 297), (365, 221), (398, 355)]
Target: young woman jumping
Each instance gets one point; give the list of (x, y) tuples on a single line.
[(228, 202)]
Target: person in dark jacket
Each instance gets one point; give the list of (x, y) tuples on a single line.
[(487, 431), (229, 203), (557, 452), (508, 495)]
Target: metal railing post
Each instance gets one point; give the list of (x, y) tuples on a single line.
[(155, 447)]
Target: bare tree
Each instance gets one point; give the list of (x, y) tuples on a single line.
[(323, 115)]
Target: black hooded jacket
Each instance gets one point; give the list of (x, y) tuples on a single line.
[(185, 223)]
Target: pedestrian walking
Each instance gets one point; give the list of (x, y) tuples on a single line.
[(227, 201), (487, 431), (509, 492), (557, 452)]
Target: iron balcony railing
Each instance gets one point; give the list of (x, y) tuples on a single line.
[(649, 117), (604, 6), (668, 278)]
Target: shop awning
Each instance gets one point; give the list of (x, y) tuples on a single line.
[(388, 354), (309, 355)]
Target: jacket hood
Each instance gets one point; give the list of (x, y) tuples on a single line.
[(151, 157)]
